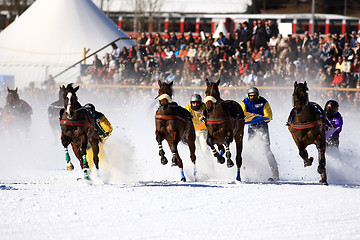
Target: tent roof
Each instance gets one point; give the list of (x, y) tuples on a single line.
[(55, 32), (220, 28)]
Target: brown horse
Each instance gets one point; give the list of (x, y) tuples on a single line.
[(307, 126), (17, 112), (54, 112), (172, 125), (223, 127), (77, 129)]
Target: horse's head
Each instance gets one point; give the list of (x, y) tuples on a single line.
[(212, 95), (70, 100), (300, 96), (13, 97), (61, 93), (165, 92)]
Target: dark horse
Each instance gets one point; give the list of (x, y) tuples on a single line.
[(307, 126), (225, 122), (172, 125), (17, 112), (54, 112), (77, 129)]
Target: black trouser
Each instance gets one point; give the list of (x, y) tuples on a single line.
[(262, 130), (332, 142)]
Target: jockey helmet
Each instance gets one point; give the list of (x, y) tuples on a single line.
[(90, 107), (331, 107), (253, 91), (195, 98)]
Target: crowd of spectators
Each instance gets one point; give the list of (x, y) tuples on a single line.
[(250, 56), (254, 55)]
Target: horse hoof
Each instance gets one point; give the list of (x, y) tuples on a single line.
[(221, 159), (324, 182), (230, 164), (164, 161), (273, 179), (174, 163), (69, 166), (183, 179), (308, 163), (86, 174)]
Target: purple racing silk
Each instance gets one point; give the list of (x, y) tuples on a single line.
[(334, 125)]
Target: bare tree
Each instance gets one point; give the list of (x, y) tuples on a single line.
[(147, 9)]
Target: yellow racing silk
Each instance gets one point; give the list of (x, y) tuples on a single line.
[(198, 125), (105, 125)]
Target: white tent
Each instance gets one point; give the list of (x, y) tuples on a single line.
[(50, 36), (220, 28)]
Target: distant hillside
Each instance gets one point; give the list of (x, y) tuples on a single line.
[(304, 6)]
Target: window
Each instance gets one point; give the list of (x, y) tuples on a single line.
[(189, 25)]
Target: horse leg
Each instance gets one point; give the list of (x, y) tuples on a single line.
[(239, 147), (84, 163), (304, 155), (65, 143), (95, 149), (164, 161), (230, 163), (210, 142), (320, 145), (191, 143), (176, 160), (221, 149)]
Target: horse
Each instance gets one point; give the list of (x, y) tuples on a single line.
[(17, 112), (306, 124), (54, 112), (78, 129), (172, 125), (223, 127)]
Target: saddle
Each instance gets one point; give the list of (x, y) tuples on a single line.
[(313, 106), (231, 107), (181, 111)]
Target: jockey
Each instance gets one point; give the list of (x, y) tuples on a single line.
[(196, 107), (334, 123), (254, 104), (103, 125)]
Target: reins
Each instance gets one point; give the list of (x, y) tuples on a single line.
[(168, 117), (307, 125), (214, 121), (75, 123)]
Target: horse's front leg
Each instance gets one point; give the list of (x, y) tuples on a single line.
[(65, 142), (320, 145), (227, 141), (210, 142), (82, 152), (305, 156), (159, 139)]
